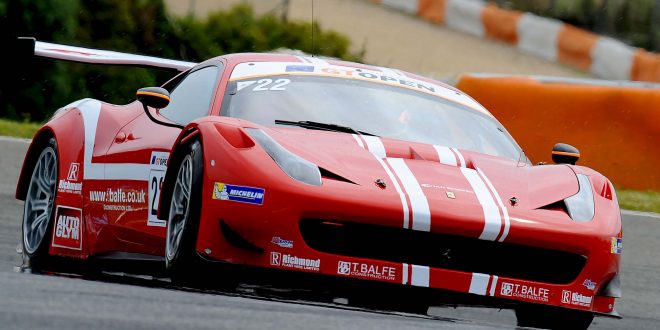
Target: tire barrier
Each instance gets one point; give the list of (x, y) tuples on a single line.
[(615, 125)]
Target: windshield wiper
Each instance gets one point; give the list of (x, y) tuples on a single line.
[(322, 126)]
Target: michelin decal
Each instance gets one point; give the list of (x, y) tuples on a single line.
[(234, 193)]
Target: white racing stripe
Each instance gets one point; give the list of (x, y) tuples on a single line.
[(420, 276), (479, 284), (377, 144), (493, 285), (359, 141), (421, 213), (483, 284), (90, 110), (404, 279), (460, 157), (445, 155), (493, 222), (505, 212)]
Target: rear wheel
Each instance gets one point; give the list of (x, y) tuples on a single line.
[(553, 318), (38, 208)]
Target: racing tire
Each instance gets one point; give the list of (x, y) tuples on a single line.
[(543, 317), (38, 210), (181, 259)]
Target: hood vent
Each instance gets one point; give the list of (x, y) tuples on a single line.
[(325, 174)]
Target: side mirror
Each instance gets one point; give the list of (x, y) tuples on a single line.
[(154, 97), (563, 153)]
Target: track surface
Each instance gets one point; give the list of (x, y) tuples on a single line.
[(29, 301)]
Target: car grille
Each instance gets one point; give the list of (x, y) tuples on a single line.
[(442, 251)]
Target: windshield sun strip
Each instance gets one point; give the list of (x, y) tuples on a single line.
[(313, 74)]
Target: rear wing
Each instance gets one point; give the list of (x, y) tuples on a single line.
[(97, 56)]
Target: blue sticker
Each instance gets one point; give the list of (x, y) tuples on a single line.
[(299, 68), (230, 192)]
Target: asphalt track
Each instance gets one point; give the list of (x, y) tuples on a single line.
[(29, 301)]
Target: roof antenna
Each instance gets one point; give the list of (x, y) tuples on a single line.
[(313, 48)]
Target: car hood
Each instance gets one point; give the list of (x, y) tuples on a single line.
[(475, 187)]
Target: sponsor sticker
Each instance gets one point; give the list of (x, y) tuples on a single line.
[(282, 242), (67, 232), (119, 199), (617, 245), (360, 269), (71, 184), (589, 284), (157, 168), (575, 298), (73, 172), (243, 194), (524, 291), (299, 68), (290, 261)]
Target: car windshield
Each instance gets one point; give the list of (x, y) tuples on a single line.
[(377, 108)]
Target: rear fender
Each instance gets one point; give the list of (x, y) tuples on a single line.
[(68, 131)]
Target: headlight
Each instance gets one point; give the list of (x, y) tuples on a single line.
[(581, 205), (292, 164)]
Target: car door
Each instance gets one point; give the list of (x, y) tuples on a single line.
[(142, 146)]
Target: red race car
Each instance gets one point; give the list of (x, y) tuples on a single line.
[(323, 167)]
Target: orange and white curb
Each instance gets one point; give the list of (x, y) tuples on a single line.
[(546, 38)]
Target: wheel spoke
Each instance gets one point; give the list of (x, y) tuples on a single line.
[(39, 220), (39, 205)]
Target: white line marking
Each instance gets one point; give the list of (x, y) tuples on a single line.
[(641, 214), (421, 213), (14, 139)]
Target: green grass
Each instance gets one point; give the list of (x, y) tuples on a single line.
[(18, 129), (648, 201)]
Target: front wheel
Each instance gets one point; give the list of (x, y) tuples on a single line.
[(38, 208), (183, 222), (553, 318)]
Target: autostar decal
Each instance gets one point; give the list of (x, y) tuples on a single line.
[(366, 270), (234, 193), (524, 291), (589, 284), (282, 242)]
